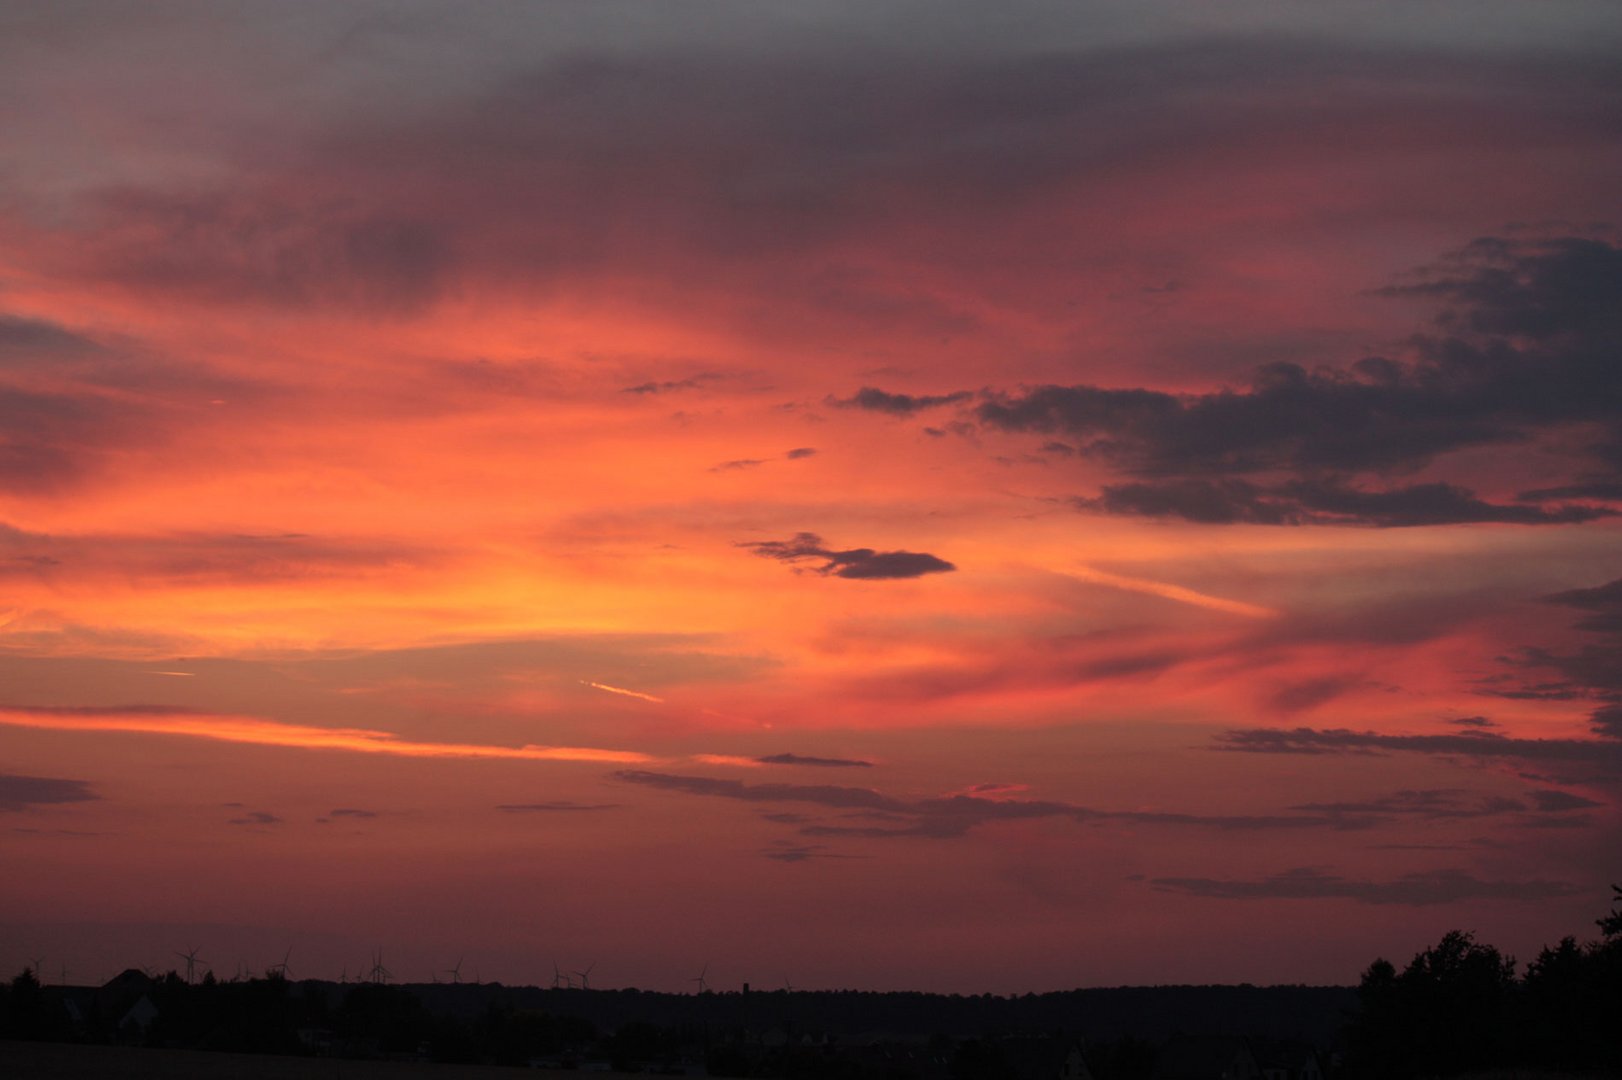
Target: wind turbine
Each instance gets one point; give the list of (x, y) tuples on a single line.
[(37, 966), (190, 956), (559, 977), (703, 987), (281, 970), (379, 973), (585, 976), (456, 972)]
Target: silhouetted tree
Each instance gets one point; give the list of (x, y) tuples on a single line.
[(1611, 925), (390, 1016), (25, 1016), (1448, 1011), (1458, 1007)]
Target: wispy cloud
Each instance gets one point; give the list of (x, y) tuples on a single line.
[(887, 816), (160, 720), (1169, 591), (670, 386), (1482, 744), (256, 817), (1417, 890), (23, 792), (559, 807), (197, 557), (1431, 803), (786, 852)]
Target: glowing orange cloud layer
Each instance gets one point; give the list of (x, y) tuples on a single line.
[(244, 729)]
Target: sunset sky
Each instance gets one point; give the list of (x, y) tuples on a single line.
[(908, 495)]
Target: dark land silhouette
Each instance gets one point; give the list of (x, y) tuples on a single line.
[(1457, 1008)]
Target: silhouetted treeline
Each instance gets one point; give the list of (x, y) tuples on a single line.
[(804, 1035), (1459, 1007), (1456, 1008)]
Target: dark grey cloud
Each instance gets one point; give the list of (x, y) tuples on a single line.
[(23, 340), (50, 440), (777, 163), (70, 405), (859, 563), (782, 851), (1434, 803), (1319, 502), (737, 464), (1593, 670), (1417, 890), (1484, 744), (561, 806), (1557, 802), (885, 816), (669, 386), (1561, 289), (1525, 350), (1472, 722), (22, 792), (257, 245), (1310, 693), (818, 794), (99, 710), (800, 452), (822, 762), (346, 813), (255, 817), (1604, 602), (875, 400), (1599, 490)]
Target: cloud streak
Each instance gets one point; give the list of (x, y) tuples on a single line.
[(872, 399), (623, 692), (862, 564), (1168, 591), (1423, 889), (1303, 740), (25, 792), (818, 762), (160, 720), (197, 557), (953, 816), (559, 807)]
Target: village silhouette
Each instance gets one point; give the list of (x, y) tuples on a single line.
[(1458, 1008)]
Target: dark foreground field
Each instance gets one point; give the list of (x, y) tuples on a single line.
[(64, 1061)]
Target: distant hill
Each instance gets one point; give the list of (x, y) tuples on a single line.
[(1316, 1014)]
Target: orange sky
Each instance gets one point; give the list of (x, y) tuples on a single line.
[(966, 503)]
